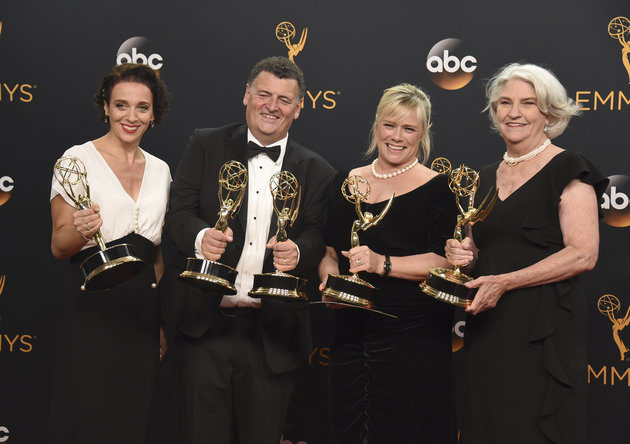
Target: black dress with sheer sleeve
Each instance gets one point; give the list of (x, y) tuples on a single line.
[(525, 359), (390, 379)]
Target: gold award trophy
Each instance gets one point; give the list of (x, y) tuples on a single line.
[(286, 203), (351, 290), (212, 275), (110, 266), (443, 283)]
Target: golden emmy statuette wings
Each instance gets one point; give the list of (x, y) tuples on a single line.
[(212, 275), (351, 290), (446, 284), (286, 193), (110, 266)]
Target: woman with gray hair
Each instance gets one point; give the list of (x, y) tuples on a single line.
[(525, 345), (390, 379)]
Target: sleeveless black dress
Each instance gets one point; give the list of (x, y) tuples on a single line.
[(525, 359), (390, 379), (106, 356)]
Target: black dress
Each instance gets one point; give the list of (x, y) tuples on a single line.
[(525, 359), (106, 356), (390, 379)]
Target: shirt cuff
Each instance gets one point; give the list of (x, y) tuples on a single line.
[(198, 253)]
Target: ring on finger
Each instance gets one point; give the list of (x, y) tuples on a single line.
[(358, 261), (285, 262)]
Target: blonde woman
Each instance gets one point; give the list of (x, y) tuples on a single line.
[(391, 378)]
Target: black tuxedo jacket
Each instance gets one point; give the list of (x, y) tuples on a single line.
[(194, 206)]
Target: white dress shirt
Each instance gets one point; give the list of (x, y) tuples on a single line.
[(260, 168)]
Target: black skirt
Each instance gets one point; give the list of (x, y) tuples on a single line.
[(106, 355)]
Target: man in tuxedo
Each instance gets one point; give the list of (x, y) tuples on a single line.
[(236, 356)]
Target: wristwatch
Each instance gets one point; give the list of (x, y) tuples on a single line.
[(387, 265)]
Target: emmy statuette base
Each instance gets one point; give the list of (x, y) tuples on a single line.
[(447, 286), (350, 291), (209, 276), (110, 267), (279, 285)]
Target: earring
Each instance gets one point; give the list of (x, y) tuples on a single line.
[(152, 124), (106, 119), (546, 127)]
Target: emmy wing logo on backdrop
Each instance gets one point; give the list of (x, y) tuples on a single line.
[(609, 374), (449, 65), (615, 202), (285, 32), (609, 306), (137, 50), (6, 186), (326, 99), (619, 29), (609, 99)]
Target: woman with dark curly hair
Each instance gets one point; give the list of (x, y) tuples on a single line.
[(109, 342)]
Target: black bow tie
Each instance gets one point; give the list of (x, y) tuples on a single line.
[(254, 149)]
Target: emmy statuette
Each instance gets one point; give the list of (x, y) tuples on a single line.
[(212, 275), (350, 290), (445, 284), (286, 203), (110, 266)]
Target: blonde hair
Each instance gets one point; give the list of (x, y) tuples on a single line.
[(552, 99), (395, 103)]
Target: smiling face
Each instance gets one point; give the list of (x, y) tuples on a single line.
[(398, 137), (130, 111), (272, 106), (518, 118)]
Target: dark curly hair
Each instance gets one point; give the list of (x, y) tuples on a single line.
[(282, 68), (134, 72)]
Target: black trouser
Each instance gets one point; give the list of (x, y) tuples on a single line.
[(226, 392)]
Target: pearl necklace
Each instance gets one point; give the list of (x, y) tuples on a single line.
[(511, 161), (395, 173)]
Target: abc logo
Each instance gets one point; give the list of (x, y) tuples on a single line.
[(6, 186), (616, 203), (135, 50), (448, 65), (458, 336)]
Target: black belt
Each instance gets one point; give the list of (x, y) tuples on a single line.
[(238, 312)]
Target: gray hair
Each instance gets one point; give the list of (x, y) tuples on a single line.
[(552, 99)]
